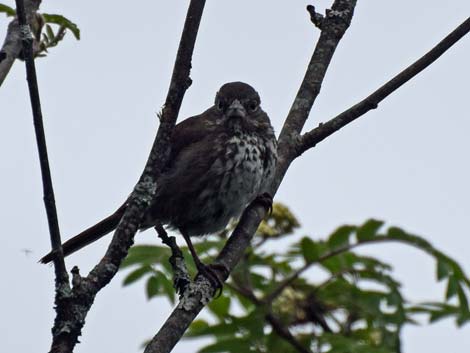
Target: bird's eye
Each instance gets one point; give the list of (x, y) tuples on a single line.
[(253, 105), (220, 104)]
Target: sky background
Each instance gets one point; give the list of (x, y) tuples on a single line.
[(405, 163)]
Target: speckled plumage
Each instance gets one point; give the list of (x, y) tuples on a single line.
[(213, 177), (220, 161)]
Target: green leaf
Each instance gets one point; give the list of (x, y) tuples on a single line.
[(309, 249), (394, 298), (62, 21), (166, 286), (340, 237), (7, 10), (463, 301), (153, 287), (276, 344), (439, 315), (220, 330), (230, 345), (206, 245), (368, 230), (442, 269), (50, 32), (452, 287), (136, 274), (220, 306), (197, 326), (253, 323), (463, 319), (146, 254), (244, 302), (45, 40)]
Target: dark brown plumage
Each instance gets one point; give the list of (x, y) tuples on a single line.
[(220, 161)]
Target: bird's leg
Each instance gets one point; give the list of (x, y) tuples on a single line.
[(208, 271), (181, 277)]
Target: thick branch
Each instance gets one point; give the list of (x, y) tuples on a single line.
[(311, 138), (12, 45), (67, 331)]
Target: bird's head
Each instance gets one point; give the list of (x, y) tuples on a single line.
[(238, 104)]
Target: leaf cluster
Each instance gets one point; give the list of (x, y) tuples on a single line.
[(48, 29), (273, 302)]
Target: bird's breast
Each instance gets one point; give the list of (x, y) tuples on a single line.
[(241, 171)]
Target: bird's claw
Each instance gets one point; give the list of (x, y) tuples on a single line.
[(266, 200), (211, 273)]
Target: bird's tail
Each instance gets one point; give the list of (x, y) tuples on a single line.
[(89, 235)]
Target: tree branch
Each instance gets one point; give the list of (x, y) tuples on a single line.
[(181, 277), (277, 325), (285, 333), (335, 24), (26, 40), (293, 276), (67, 330), (12, 45), (311, 138)]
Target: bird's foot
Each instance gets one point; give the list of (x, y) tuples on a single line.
[(181, 278), (266, 200), (211, 273)]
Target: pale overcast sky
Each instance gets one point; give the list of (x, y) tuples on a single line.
[(405, 163)]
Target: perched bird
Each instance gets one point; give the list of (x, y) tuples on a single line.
[(220, 161)]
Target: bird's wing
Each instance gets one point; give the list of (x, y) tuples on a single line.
[(188, 173), (188, 132)]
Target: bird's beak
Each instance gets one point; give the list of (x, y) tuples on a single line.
[(236, 110)]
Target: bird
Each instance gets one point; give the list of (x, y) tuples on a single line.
[(219, 162)]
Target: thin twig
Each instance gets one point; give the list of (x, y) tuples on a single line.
[(284, 332), (275, 323), (334, 26), (49, 199), (316, 18), (288, 281), (311, 138), (67, 330), (244, 287), (181, 277), (245, 292)]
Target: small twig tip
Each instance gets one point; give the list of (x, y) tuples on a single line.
[(316, 18)]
